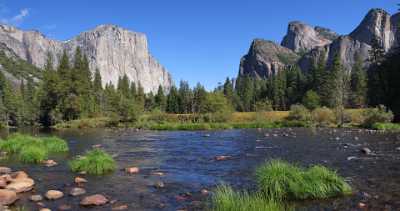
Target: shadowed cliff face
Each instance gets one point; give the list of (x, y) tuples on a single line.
[(113, 50), (312, 43)]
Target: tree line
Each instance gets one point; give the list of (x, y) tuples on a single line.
[(70, 91)]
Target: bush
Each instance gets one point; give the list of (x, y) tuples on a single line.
[(377, 115), (386, 126), (263, 106), (323, 116), (280, 180), (299, 113), (95, 162), (311, 100), (226, 199), (33, 154)]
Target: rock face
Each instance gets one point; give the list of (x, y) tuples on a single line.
[(301, 37), (266, 58), (307, 45), (113, 50)]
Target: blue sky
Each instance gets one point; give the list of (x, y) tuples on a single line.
[(196, 40)]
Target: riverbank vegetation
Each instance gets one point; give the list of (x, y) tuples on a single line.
[(96, 162), (279, 184), (31, 149)]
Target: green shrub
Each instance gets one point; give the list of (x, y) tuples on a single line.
[(33, 154), (311, 100), (226, 199), (299, 113), (280, 180), (95, 162), (323, 116), (377, 115)]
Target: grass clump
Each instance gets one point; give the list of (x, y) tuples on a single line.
[(226, 199), (281, 180), (96, 162), (33, 154), (386, 126), (31, 149)]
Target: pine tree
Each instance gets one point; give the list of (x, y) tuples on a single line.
[(160, 99), (358, 85), (173, 101), (185, 97)]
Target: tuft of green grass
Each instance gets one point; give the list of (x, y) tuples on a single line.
[(280, 180), (55, 144), (31, 149), (96, 162), (386, 126), (226, 199), (33, 154)]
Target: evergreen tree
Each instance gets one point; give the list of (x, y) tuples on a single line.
[(160, 99), (185, 97), (358, 85), (173, 101), (199, 99)]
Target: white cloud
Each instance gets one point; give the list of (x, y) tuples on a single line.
[(17, 19)]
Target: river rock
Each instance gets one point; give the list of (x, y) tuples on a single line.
[(77, 191), (204, 192), (398, 148), (120, 207), (45, 209), (20, 175), (7, 197), (366, 151), (222, 157), (64, 207), (158, 173), (54, 194), (36, 198), (21, 185), (5, 170), (79, 180), (94, 200), (3, 183), (132, 170), (159, 184), (50, 163)]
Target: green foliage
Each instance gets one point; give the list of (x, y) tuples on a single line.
[(96, 162), (386, 126), (226, 199), (311, 100), (323, 116), (358, 85), (280, 180), (32, 149), (377, 115), (33, 154), (299, 113)]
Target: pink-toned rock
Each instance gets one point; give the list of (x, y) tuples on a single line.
[(362, 205), (204, 192), (50, 163), (7, 197), (21, 185), (5, 170), (6, 177), (3, 183), (120, 207), (54, 194), (80, 180), (45, 209), (132, 170), (20, 175), (94, 200), (222, 157), (77, 191), (158, 173)]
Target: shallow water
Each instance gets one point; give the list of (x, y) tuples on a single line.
[(187, 159)]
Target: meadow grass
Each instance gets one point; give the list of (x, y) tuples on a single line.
[(226, 199), (386, 126), (280, 180), (31, 149), (96, 162)]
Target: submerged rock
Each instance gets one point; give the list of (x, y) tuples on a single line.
[(64, 207), (159, 184), (79, 180), (120, 207), (45, 209), (36, 198), (7, 197), (54, 194), (366, 151), (94, 200), (77, 191), (222, 157), (132, 170), (5, 170), (50, 163), (204, 192)]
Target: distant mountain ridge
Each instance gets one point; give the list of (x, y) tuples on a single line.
[(113, 50), (311, 44)]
